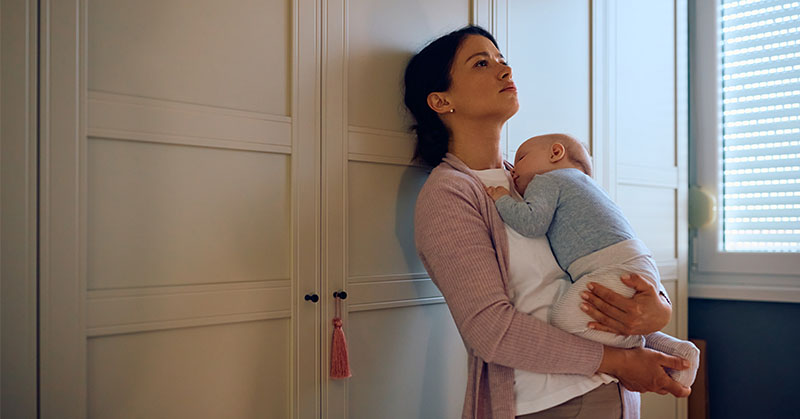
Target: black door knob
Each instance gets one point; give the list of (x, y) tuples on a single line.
[(312, 297), (340, 294)]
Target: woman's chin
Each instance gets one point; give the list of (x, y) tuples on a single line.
[(512, 111), (503, 112)]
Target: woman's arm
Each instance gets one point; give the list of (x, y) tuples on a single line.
[(647, 311), (456, 247)]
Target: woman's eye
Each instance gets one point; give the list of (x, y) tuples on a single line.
[(481, 63)]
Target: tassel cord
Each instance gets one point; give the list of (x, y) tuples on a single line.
[(340, 363)]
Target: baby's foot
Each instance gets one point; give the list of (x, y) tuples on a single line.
[(680, 348)]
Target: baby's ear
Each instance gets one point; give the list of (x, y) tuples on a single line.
[(557, 152)]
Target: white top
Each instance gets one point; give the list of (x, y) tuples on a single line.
[(536, 281)]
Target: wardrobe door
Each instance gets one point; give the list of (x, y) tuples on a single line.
[(614, 74), (179, 214), (651, 150), (406, 356)]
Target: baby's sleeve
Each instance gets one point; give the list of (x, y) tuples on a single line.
[(532, 216)]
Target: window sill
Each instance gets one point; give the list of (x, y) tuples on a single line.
[(717, 291)]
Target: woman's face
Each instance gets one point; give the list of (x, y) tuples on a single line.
[(481, 81)]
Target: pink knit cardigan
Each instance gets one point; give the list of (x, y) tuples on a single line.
[(462, 243)]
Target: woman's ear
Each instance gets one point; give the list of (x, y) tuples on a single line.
[(557, 152), (439, 103)]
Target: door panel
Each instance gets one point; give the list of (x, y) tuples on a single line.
[(381, 219), (162, 214), (651, 212), (202, 52), (408, 362), (646, 87), (382, 35), (549, 47), (225, 371)]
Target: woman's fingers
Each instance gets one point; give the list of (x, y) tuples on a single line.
[(676, 389), (673, 362), (610, 297), (603, 328), (611, 325), (644, 313), (603, 306), (670, 385), (637, 282)]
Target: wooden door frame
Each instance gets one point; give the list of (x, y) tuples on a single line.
[(18, 186), (62, 208)]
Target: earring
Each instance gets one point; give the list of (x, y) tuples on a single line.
[(452, 110)]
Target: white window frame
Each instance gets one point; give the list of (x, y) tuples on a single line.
[(714, 273)]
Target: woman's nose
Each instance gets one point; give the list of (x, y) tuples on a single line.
[(505, 73)]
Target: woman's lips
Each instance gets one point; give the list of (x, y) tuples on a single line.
[(511, 87)]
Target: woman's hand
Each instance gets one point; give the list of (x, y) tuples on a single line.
[(642, 370), (644, 313)]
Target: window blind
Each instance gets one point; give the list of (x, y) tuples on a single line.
[(760, 51)]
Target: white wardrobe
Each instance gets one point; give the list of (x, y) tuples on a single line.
[(205, 165)]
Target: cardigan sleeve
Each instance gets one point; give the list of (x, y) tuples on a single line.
[(455, 245)]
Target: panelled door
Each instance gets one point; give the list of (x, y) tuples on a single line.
[(179, 233), (407, 358)]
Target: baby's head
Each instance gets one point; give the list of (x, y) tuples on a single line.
[(548, 152)]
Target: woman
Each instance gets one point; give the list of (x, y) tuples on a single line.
[(460, 91)]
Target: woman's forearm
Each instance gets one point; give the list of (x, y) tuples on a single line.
[(534, 345), (613, 359)]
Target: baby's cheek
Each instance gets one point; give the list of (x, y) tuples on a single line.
[(521, 183)]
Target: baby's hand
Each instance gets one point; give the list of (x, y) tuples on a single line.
[(497, 192)]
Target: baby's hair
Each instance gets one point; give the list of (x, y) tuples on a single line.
[(580, 157)]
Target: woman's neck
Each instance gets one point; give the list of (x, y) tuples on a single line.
[(477, 144)]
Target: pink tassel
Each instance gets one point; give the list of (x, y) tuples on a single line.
[(340, 364)]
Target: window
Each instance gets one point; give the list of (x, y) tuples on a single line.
[(760, 126), (745, 129)]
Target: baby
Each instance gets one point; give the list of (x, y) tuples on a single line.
[(590, 238)]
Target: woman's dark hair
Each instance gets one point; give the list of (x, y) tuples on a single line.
[(427, 72)]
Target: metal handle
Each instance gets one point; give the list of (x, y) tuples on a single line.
[(312, 297), (340, 294)]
